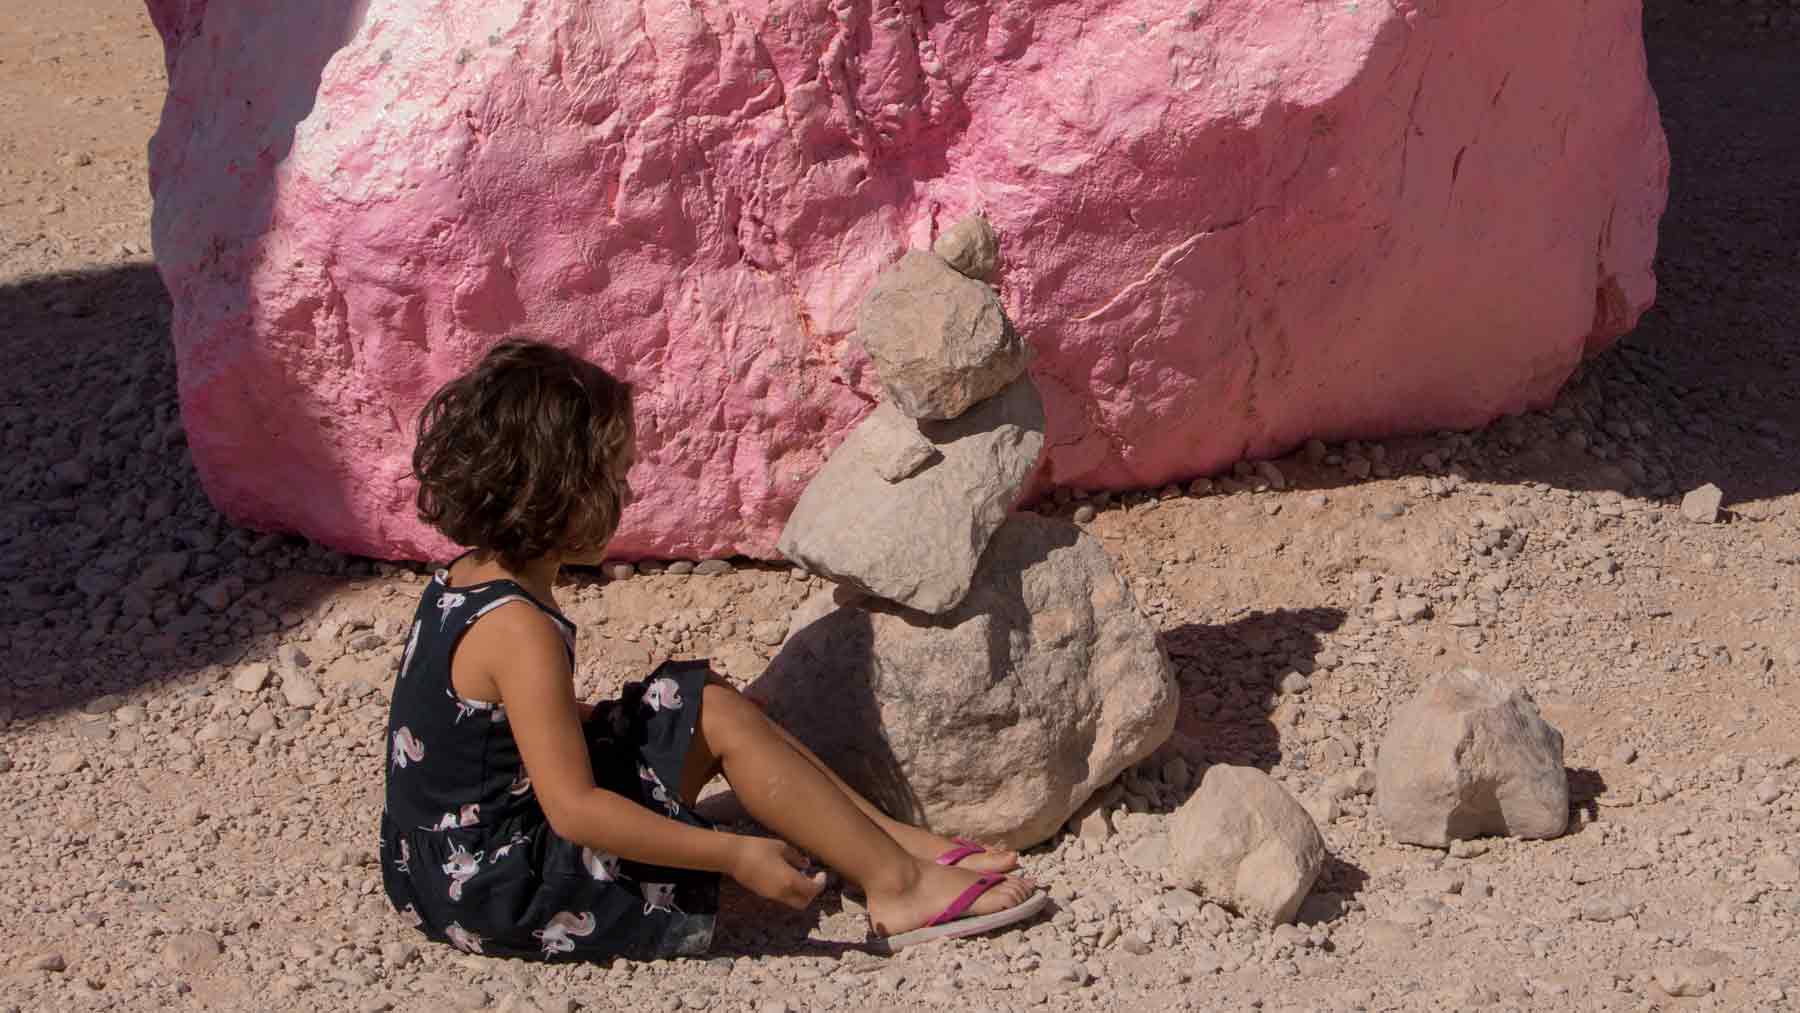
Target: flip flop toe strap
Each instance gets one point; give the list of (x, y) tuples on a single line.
[(966, 899), (964, 848)]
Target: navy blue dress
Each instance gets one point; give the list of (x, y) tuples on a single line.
[(466, 852)]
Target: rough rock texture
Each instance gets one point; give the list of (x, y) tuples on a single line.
[(917, 540), (1274, 221), (940, 341), (997, 720), (1244, 841), (1469, 756)]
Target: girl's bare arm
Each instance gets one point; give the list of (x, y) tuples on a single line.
[(516, 649)]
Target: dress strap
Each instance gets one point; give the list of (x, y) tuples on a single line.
[(563, 625)]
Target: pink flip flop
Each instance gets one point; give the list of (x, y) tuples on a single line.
[(951, 923), (964, 848)]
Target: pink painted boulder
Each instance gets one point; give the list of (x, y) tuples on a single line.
[(1226, 226)]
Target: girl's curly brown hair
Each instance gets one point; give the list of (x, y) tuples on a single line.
[(525, 455)]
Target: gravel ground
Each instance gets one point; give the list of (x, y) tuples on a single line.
[(190, 723)]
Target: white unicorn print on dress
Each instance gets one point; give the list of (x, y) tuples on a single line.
[(461, 868), (555, 935), (400, 864), (600, 865), (470, 815), (407, 747), (448, 602), (657, 791), (412, 915), (506, 849), (659, 897), (521, 784), (412, 644), (663, 694), (463, 939), (464, 708)]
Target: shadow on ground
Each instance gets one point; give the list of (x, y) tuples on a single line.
[(1586, 786), (117, 571), (1231, 684)]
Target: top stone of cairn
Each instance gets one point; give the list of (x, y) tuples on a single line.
[(971, 247), (941, 341)]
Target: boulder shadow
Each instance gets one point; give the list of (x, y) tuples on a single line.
[(1340, 881), (1586, 786), (1230, 676), (86, 550), (101, 496)]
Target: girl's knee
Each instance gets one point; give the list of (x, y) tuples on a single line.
[(723, 707), (728, 712)]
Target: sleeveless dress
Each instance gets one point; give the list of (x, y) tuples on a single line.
[(467, 854)]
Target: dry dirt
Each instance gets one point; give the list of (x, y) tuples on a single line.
[(174, 841)]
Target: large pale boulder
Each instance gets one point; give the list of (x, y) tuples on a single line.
[(1271, 220), (911, 527), (997, 720), (1244, 841), (1470, 756)]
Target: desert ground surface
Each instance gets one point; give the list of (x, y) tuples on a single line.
[(191, 713)]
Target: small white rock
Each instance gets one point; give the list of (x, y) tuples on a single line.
[(1778, 869), (251, 678), (1412, 609), (1702, 505), (1682, 981), (67, 762), (299, 690)]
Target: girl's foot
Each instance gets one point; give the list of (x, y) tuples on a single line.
[(936, 888), (922, 843)]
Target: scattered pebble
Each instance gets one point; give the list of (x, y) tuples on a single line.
[(1682, 981), (251, 678), (299, 690), (1702, 505), (67, 763)]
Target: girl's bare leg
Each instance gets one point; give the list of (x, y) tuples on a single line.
[(790, 794), (918, 841)]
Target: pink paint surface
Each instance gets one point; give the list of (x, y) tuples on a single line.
[(1226, 226)]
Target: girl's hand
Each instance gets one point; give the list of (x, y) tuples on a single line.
[(772, 869)]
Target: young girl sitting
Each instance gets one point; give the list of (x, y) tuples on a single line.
[(522, 823)]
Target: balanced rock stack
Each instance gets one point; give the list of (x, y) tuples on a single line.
[(906, 504), (977, 670)]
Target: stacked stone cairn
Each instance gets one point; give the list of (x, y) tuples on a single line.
[(974, 669)]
